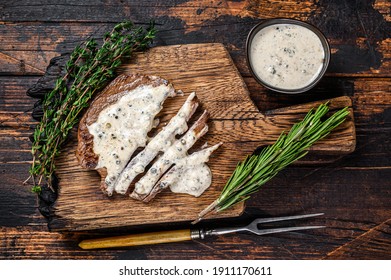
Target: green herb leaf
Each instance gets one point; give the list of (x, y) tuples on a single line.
[(36, 189)]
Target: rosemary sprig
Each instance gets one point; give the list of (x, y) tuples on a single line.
[(256, 170), (88, 70)]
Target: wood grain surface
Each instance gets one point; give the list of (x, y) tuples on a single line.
[(353, 191), (234, 120)]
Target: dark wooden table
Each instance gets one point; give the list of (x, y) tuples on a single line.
[(354, 191)]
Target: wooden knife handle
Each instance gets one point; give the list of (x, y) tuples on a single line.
[(137, 239)]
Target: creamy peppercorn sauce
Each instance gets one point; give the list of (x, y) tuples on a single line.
[(191, 175), (286, 56), (173, 153), (122, 127), (162, 141)]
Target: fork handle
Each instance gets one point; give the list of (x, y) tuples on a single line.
[(137, 239)]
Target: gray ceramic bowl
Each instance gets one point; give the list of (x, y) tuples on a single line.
[(274, 21)]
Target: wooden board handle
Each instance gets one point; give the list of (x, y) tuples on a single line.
[(137, 239), (341, 141)]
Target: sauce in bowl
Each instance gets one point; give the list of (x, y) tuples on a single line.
[(286, 55)]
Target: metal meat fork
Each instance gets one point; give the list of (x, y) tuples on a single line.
[(253, 227), (192, 234)]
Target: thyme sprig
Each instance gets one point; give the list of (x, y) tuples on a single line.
[(257, 169), (88, 70)]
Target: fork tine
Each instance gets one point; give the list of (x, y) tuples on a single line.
[(276, 219), (286, 229)]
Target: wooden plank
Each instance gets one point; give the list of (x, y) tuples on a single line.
[(375, 244), (142, 10), (35, 242), (111, 11), (360, 45), (338, 191)]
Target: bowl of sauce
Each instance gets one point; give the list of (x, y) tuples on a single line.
[(287, 55)]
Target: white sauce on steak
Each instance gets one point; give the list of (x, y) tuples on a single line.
[(123, 126), (161, 142), (172, 155), (287, 56), (191, 179), (191, 175)]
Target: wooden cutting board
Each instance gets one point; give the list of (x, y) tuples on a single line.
[(208, 70)]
